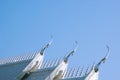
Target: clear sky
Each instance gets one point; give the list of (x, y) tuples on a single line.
[(26, 26)]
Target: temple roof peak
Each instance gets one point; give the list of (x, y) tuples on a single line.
[(103, 59), (46, 46), (71, 53)]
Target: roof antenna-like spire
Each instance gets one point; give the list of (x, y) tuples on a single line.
[(47, 45), (93, 65), (103, 59), (87, 70), (81, 71), (71, 53)]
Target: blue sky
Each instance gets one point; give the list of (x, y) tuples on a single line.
[(26, 26)]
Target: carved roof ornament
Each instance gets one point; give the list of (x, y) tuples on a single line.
[(71, 53), (103, 59)]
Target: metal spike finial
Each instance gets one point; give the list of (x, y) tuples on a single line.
[(71, 53), (93, 65), (69, 73), (87, 70), (43, 49), (52, 63), (73, 72), (59, 61), (47, 64), (81, 71), (65, 73), (55, 61), (77, 71)]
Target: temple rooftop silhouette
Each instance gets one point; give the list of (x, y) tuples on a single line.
[(34, 67)]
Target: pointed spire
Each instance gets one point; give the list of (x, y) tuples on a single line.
[(51, 63), (77, 72), (45, 64), (42, 66), (73, 72), (43, 49), (66, 73), (55, 61), (81, 71), (93, 65), (103, 59), (69, 73), (71, 53), (87, 70), (59, 60)]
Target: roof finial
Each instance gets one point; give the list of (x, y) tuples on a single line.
[(43, 49), (103, 59), (71, 53)]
